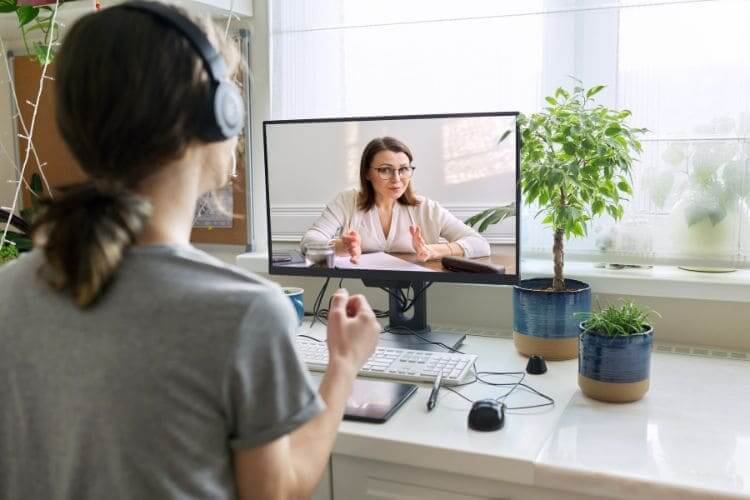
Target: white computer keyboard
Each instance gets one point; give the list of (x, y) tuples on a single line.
[(394, 363)]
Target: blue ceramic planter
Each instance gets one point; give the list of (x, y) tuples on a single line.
[(619, 358), (546, 322), (615, 368)]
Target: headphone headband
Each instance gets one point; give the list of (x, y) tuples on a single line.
[(213, 61), (226, 103)]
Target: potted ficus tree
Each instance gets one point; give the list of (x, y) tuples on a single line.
[(614, 358), (576, 160)]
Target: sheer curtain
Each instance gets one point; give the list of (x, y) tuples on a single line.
[(681, 67)]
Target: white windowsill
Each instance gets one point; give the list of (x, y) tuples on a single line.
[(659, 281)]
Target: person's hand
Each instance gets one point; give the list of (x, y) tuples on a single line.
[(352, 244), (352, 330), (422, 249)]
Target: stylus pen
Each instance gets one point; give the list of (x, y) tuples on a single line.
[(432, 401)]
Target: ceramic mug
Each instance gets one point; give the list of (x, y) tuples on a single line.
[(296, 295)]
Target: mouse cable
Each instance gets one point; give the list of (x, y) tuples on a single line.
[(477, 376)]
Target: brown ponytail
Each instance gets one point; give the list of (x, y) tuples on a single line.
[(130, 97), (85, 232)]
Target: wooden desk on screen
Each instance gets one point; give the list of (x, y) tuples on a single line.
[(498, 259)]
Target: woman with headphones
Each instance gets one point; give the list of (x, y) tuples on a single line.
[(132, 364)]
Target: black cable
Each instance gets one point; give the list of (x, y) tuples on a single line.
[(478, 378), (318, 301), (397, 296), (416, 296), (311, 338)]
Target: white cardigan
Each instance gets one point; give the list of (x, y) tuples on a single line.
[(438, 226)]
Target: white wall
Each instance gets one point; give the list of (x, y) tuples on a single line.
[(459, 164), (7, 142)]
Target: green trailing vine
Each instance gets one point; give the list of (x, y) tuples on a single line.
[(33, 20)]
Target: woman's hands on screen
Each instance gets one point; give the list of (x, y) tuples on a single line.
[(352, 330), (352, 244), (422, 249)]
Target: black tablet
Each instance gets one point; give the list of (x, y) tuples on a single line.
[(374, 400)]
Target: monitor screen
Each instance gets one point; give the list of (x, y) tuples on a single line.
[(388, 198)]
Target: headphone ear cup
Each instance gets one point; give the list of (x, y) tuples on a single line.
[(229, 109)]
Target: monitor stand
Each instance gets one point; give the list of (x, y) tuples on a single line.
[(413, 332)]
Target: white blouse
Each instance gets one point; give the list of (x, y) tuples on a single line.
[(438, 226)]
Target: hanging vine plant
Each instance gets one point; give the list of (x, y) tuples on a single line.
[(37, 17)]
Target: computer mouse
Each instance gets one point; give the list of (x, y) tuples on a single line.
[(487, 415)]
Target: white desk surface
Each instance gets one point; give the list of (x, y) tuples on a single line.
[(688, 438)]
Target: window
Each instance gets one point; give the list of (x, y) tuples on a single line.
[(681, 67)]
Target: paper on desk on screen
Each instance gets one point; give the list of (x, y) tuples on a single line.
[(380, 261)]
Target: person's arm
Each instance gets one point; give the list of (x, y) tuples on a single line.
[(291, 466), (440, 250), (433, 251), (460, 236), (327, 226)]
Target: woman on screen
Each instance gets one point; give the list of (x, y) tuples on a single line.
[(384, 214)]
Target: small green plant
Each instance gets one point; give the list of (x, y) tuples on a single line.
[(8, 252), (627, 318), (18, 237)]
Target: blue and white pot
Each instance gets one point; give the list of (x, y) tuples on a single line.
[(546, 322), (615, 368)]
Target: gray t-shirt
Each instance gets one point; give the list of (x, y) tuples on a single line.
[(145, 394)]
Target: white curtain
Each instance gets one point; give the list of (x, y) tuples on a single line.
[(681, 67)]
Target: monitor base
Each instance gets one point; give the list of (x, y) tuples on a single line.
[(408, 340)]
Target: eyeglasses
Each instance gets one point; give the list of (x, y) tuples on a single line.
[(387, 173)]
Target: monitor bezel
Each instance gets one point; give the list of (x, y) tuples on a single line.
[(396, 276)]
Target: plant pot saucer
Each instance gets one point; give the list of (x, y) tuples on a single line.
[(707, 269)]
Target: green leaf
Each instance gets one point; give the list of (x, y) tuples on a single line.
[(26, 14), (621, 141), (7, 6), (42, 54), (612, 130), (551, 100), (594, 90), (625, 187), (597, 207), (569, 148)]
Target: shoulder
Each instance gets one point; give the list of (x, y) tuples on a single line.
[(347, 200), (17, 274), (257, 306), (197, 276), (427, 206), (348, 196)]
